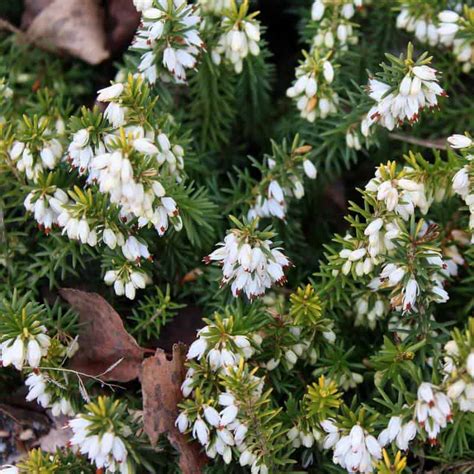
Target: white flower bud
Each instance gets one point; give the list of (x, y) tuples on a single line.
[(309, 169), (459, 141), (33, 353), (328, 72), (470, 364), (212, 416), (111, 92), (448, 16)]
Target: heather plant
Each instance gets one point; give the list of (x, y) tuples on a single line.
[(315, 212)]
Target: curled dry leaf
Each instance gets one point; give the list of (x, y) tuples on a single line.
[(161, 387), (103, 340), (32, 8), (75, 27)]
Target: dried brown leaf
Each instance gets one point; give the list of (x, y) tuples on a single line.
[(103, 340), (75, 27), (31, 9), (438, 143), (58, 436), (161, 381)]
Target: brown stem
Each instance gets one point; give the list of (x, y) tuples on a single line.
[(439, 144), (454, 467), (6, 25)]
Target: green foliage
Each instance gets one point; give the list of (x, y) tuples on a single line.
[(60, 462), (153, 312), (212, 91), (306, 352), (254, 102), (321, 400)]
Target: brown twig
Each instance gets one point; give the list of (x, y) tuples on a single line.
[(439, 144), (6, 25), (454, 467)]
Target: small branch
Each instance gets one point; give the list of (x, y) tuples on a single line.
[(21, 36), (82, 374), (6, 25), (456, 466), (439, 144)]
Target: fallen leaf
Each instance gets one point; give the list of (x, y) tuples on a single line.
[(103, 340), (21, 429), (161, 387), (31, 9), (75, 27), (58, 436)]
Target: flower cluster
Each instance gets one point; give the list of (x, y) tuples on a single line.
[(38, 147), (355, 450), (332, 32), (423, 26), (227, 347), (81, 150), (222, 427), (401, 92), (353, 137), (39, 390), (400, 256), (48, 385), (169, 35), (398, 431), (99, 435), (290, 336), (333, 23), (398, 193), (26, 345), (46, 205), (221, 347), (398, 102), (312, 89), (458, 367), (406, 287), (433, 410), (457, 31), (448, 28), (241, 36), (129, 173), (249, 260), (132, 164), (282, 178), (127, 278), (23, 336), (127, 168), (369, 308), (20, 350), (222, 421)]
